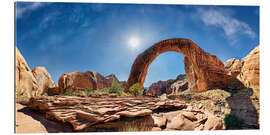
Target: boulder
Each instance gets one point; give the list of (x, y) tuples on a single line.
[(44, 80), (250, 72), (179, 122), (233, 68), (213, 123), (83, 80), (26, 83)]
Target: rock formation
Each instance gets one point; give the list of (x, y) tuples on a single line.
[(161, 87), (170, 86), (250, 72), (30, 83), (82, 80), (44, 80), (84, 113), (204, 71), (26, 83), (244, 73), (233, 68), (180, 84)]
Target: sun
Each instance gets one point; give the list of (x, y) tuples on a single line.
[(134, 42)]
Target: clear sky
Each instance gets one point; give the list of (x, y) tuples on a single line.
[(106, 38)]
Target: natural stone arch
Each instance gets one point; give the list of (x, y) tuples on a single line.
[(204, 71)]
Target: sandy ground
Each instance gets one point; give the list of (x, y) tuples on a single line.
[(29, 122)]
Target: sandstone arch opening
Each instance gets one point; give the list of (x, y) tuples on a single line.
[(204, 71), (166, 66)]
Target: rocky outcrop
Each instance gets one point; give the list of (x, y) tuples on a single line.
[(83, 113), (250, 72), (244, 73), (44, 80), (204, 71), (233, 67), (187, 120), (180, 84), (26, 83), (170, 86), (31, 83), (82, 80), (161, 87)]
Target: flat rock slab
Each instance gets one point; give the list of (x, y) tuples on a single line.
[(82, 113)]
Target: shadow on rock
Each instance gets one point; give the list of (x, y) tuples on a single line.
[(51, 126), (244, 113)]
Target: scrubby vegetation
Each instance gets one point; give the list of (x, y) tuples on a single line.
[(136, 90), (232, 122), (114, 91), (69, 92), (116, 88)]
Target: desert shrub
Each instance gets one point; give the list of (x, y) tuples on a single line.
[(116, 88), (232, 122), (256, 92), (163, 96), (135, 90), (69, 92), (88, 91)]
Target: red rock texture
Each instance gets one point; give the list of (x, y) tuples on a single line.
[(250, 72), (204, 71), (161, 87), (169, 86), (86, 113), (82, 113), (82, 80)]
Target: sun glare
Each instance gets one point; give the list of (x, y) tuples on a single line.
[(134, 42)]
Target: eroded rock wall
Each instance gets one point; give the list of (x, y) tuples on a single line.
[(82, 80)]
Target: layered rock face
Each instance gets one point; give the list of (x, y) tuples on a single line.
[(161, 87), (245, 72), (233, 68), (250, 72), (170, 86), (204, 71), (82, 80), (26, 83), (90, 114), (180, 84), (44, 80)]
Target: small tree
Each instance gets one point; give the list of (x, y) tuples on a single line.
[(69, 92), (116, 88), (89, 91), (136, 90)]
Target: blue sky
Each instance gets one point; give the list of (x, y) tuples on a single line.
[(106, 38)]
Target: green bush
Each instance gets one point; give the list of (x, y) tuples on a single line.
[(232, 122), (136, 90), (116, 88), (69, 92)]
